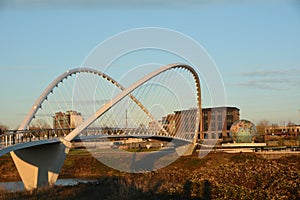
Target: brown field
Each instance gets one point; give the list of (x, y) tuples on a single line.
[(217, 176)]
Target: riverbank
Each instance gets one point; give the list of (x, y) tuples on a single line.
[(217, 176)]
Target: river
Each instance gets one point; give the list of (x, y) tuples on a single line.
[(19, 186)]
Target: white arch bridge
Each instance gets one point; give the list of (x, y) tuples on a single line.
[(165, 104)]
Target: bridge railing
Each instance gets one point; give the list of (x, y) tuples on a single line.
[(188, 136), (13, 137), (120, 131)]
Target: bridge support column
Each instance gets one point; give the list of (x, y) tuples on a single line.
[(40, 165)]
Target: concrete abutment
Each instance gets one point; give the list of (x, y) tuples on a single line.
[(40, 165)]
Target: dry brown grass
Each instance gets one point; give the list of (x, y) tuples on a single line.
[(217, 176)]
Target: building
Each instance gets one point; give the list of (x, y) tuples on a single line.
[(169, 124), (66, 121), (293, 130), (155, 126), (216, 122)]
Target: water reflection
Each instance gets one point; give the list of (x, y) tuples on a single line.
[(19, 186)]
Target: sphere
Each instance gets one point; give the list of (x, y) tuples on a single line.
[(243, 131)]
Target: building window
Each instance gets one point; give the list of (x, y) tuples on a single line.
[(205, 127), (205, 135), (213, 135), (220, 126), (220, 135), (213, 127), (220, 118)]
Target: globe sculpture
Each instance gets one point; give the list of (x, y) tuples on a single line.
[(243, 131)]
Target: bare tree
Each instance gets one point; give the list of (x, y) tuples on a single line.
[(2, 128), (39, 124), (261, 126), (290, 124)]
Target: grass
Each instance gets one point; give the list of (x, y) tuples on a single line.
[(217, 176), (142, 149), (78, 151), (241, 158)]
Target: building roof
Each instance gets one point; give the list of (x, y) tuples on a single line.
[(209, 108), (221, 107)]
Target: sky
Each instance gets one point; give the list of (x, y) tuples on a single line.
[(254, 44)]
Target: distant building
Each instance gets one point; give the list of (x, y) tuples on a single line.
[(169, 124), (216, 122), (283, 130), (67, 121), (180, 122), (155, 126)]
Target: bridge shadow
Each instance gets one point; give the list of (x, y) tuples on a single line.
[(155, 160), (113, 187), (150, 161), (136, 160)]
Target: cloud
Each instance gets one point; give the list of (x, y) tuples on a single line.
[(275, 79), (262, 73), (264, 85)]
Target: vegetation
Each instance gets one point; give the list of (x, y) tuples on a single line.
[(2, 128), (217, 176)]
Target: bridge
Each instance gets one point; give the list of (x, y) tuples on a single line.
[(165, 104)]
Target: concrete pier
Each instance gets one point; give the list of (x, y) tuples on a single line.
[(40, 165)]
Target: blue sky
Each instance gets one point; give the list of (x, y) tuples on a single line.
[(255, 44)]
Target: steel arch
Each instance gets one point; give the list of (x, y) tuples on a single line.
[(38, 104), (131, 88)]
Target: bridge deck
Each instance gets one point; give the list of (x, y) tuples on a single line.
[(24, 145), (18, 144)]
